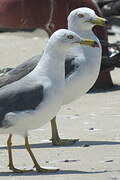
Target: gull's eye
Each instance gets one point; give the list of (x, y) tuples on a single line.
[(70, 36), (80, 15)]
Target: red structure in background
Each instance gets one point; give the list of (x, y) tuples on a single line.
[(49, 15)]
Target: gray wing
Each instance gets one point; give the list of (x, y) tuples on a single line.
[(26, 67), (20, 98), (19, 72)]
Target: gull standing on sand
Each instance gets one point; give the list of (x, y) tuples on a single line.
[(82, 64), (38, 94)]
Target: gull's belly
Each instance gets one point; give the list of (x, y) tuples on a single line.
[(76, 89), (79, 84)]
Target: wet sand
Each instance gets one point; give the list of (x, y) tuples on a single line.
[(94, 119)]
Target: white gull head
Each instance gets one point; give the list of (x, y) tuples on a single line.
[(64, 39), (84, 18)]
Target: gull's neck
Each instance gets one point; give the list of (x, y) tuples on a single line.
[(92, 55), (88, 34), (52, 63), (82, 31)]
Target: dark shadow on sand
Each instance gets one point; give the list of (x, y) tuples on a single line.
[(77, 144), (63, 172), (115, 87)]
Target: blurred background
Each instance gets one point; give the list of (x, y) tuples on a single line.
[(25, 26)]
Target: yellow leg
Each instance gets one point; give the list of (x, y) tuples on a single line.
[(55, 136), (11, 165), (36, 165)]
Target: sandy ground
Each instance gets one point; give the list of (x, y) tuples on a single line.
[(94, 119)]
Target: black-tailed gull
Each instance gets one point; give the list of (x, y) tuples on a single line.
[(33, 100), (82, 63)]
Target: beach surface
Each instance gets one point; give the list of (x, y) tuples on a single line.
[(94, 119)]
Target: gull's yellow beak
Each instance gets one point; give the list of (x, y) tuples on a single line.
[(98, 21), (88, 42)]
